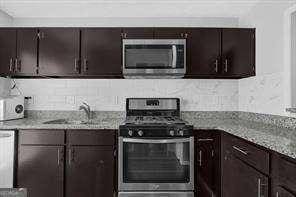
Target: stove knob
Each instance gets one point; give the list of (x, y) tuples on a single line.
[(140, 133), (181, 132), (130, 132), (172, 132)]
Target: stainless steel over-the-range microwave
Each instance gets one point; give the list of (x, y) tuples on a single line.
[(154, 58)]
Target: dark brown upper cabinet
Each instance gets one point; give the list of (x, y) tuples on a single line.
[(7, 51), (137, 33), (170, 33), (204, 55), (59, 50), (238, 52), (101, 52), (26, 58)]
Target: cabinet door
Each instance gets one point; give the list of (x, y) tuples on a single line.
[(101, 52), (41, 170), (7, 50), (170, 33), (204, 55), (26, 60), (205, 167), (59, 51), (281, 192), (239, 179), (238, 52), (138, 33), (90, 171)]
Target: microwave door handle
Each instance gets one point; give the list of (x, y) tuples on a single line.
[(174, 50), (152, 141)]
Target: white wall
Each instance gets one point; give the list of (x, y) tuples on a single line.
[(266, 93), (5, 19), (128, 22), (106, 94)]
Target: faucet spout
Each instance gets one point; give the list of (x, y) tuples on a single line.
[(86, 108)]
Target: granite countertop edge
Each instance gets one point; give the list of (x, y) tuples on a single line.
[(278, 139)]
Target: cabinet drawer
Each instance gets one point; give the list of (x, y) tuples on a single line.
[(91, 137), (249, 153), (42, 137)]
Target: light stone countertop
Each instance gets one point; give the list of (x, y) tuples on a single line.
[(276, 138)]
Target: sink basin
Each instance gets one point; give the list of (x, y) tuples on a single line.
[(75, 122)]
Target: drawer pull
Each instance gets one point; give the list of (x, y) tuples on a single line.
[(205, 140), (240, 150)]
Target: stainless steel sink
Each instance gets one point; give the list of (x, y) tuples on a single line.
[(74, 122)]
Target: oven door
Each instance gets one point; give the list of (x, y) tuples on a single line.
[(154, 57), (156, 164)]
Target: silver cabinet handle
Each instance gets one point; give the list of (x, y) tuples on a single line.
[(200, 158), (162, 141), (71, 156), (259, 187), (58, 157), (85, 65), (240, 150), (277, 194), (226, 65), (216, 65), (11, 64), (205, 140), (5, 135), (76, 68)]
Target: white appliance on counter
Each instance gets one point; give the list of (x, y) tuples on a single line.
[(5, 87), (11, 108), (7, 140)]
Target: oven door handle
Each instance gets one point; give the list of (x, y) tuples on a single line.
[(174, 60), (160, 141)]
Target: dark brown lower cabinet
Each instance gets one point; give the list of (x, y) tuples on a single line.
[(50, 166), (283, 171), (282, 192), (41, 170), (207, 164), (240, 179), (90, 171)]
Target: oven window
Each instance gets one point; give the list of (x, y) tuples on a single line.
[(154, 56), (156, 163)]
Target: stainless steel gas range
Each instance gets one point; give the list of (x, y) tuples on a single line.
[(156, 150)]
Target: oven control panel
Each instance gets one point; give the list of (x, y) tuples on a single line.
[(147, 131)]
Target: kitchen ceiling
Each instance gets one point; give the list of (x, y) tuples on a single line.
[(127, 8)]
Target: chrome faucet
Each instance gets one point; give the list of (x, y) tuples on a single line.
[(86, 109)]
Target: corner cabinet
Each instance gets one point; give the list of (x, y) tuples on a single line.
[(244, 169), (283, 172), (221, 53), (238, 52), (73, 163)]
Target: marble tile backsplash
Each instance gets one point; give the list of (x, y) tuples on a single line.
[(110, 94), (263, 94)]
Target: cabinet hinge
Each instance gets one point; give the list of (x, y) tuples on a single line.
[(38, 35)]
